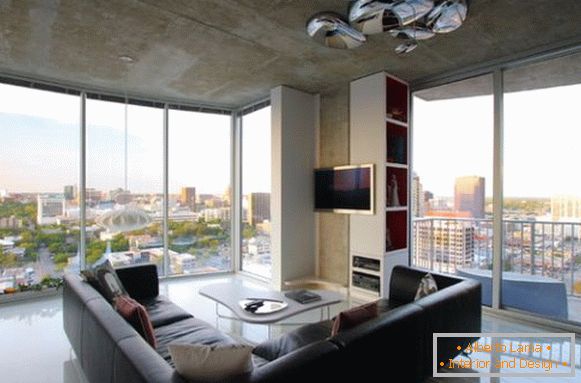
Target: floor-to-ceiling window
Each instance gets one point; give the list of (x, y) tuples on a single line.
[(256, 187), (39, 179), (200, 195), (542, 189), (124, 194), (536, 158), (125, 157), (452, 179)]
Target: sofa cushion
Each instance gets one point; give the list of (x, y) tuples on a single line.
[(426, 287), (136, 315), (163, 312), (353, 317), (293, 340), (103, 277), (201, 362), (189, 331)]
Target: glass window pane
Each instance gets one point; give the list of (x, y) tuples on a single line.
[(542, 189), (452, 179), (39, 172), (199, 187), (256, 185), (124, 183)]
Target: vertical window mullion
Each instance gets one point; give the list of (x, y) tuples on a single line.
[(83, 181), (498, 236), (165, 190)]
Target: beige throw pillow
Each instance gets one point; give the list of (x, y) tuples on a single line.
[(427, 286), (201, 362)]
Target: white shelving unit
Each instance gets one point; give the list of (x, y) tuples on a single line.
[(379, 134)]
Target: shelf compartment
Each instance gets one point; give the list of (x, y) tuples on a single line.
[(396, 187), (396, 100), (396, 230), (397, 144)]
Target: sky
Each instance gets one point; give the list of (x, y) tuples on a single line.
[(542, 142), (39, 146)]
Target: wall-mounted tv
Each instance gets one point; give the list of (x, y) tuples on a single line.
[(345, 189)]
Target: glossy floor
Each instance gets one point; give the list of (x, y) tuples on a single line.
[(34, 347)]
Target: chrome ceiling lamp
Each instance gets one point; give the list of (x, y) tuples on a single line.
[(328, 28), (409, 20)]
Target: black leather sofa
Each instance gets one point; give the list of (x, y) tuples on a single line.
[(110, 350)]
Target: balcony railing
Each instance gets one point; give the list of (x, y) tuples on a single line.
[(545, 248)]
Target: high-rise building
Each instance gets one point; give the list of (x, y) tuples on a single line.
[(227, 196), (417, 197), (49, 208), (445, 245), (258, 208), (70, 192), (469, 195), (93, 195), (188, 197), (565, 207)]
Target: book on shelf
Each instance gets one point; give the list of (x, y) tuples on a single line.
[(303, 296)]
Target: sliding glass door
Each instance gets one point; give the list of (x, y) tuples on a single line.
[(452, 179), (542, 189)]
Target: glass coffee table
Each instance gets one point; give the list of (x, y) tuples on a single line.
[(234, 297)]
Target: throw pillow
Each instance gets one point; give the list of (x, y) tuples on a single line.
[(202, 362), (105, 277), (355, 316), (137, 316), (427, 286)]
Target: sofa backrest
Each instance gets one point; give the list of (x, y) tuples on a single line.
[(107, 347), (455, 308), (404, 283), (392, 339)]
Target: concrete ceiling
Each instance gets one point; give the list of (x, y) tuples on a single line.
[(232, 52)]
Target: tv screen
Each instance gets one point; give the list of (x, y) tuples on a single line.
[(344, 189)]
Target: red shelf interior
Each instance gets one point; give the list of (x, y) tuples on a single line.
[(397, 144), (401, 176), (397, 100), (396, 230)]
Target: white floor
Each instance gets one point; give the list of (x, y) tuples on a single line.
[(34, 348)]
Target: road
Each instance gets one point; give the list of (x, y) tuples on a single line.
[(44, 266)]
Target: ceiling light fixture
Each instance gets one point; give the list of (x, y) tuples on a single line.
[(409, 20), (127, 59), (328, 28)]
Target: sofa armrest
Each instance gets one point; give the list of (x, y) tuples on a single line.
[(141, 281)]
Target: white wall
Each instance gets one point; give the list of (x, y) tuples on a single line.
[(294, 125)]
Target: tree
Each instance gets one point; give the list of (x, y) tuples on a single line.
[(119, 243), (7, 259), (249, 231)]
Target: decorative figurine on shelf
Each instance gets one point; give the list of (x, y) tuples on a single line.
[(392, 192), (388, 244)]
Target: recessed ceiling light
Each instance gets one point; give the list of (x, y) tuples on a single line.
[(126, 59)]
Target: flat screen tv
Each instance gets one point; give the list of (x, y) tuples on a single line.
[(345, 189)]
